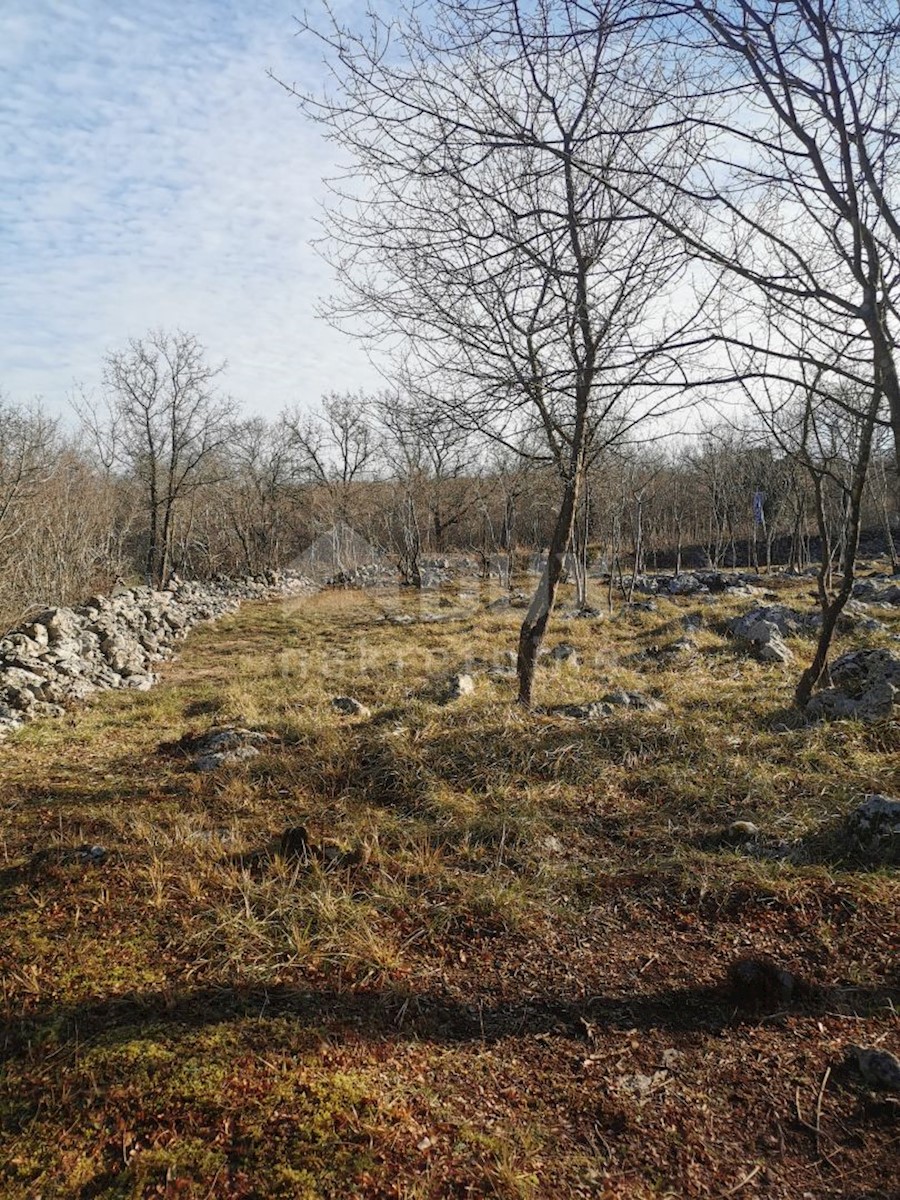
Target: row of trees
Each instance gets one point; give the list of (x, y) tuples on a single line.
[(162, 474)]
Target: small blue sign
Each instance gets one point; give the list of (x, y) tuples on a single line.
[(759, 499)]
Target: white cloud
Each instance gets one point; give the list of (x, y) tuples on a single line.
[(153, 175)]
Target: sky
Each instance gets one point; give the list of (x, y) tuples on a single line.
[(152, 175)]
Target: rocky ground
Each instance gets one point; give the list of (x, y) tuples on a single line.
[(323, 914)]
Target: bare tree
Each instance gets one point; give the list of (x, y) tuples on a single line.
[(164, 424)]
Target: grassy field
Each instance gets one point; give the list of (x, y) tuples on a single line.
[(501, 972)]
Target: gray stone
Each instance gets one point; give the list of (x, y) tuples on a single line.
[(774, 650), (349, 706), (875, 825), (879, 1068), (743, 829), (685, 585), (858, 670), (624, 699), (866, 685), (564, 653), (763, 629), (224, 758), (460, 685), (226, 746), (590, 711), (787, 622)]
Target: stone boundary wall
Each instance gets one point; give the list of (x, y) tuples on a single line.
[(64, 655)]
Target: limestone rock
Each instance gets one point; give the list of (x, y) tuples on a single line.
[(222, 747), (589, 711), (764, 629), (875, 825), (564, 653), (787, 622), (459, 686), (349, 706), (858, 670), (625, 699), (879, 1068), (866, 685)]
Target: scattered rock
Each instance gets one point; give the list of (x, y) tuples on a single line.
[(218, 747), (865, 687), (92, 855), (516, 599), (349, 707), (859, 669), (788, 622), (742, 829), (623, 699), (759, 981), (773, 650), (564, 653), (879, 1068), (459, 685), (763, 629), (877, 591), (875, 826), (590, 711)]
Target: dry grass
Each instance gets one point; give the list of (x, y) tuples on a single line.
[(506, 915)]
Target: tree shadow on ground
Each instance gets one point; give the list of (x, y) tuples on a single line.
[(396, 1013)]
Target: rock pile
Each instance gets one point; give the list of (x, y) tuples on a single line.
[(764, 630), (592, 710), (875, 826), (765, 627), (699, 582), (368, 575), (883, 590), (65, 654), (865, 686)]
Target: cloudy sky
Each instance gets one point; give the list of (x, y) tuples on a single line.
[(152, 175)]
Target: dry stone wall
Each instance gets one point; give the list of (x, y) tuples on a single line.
[(64, 655)]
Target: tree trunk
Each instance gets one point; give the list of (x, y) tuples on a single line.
[(832, 611), (886, 370), (535, 624)]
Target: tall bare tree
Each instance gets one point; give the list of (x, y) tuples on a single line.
[(534, 291)]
